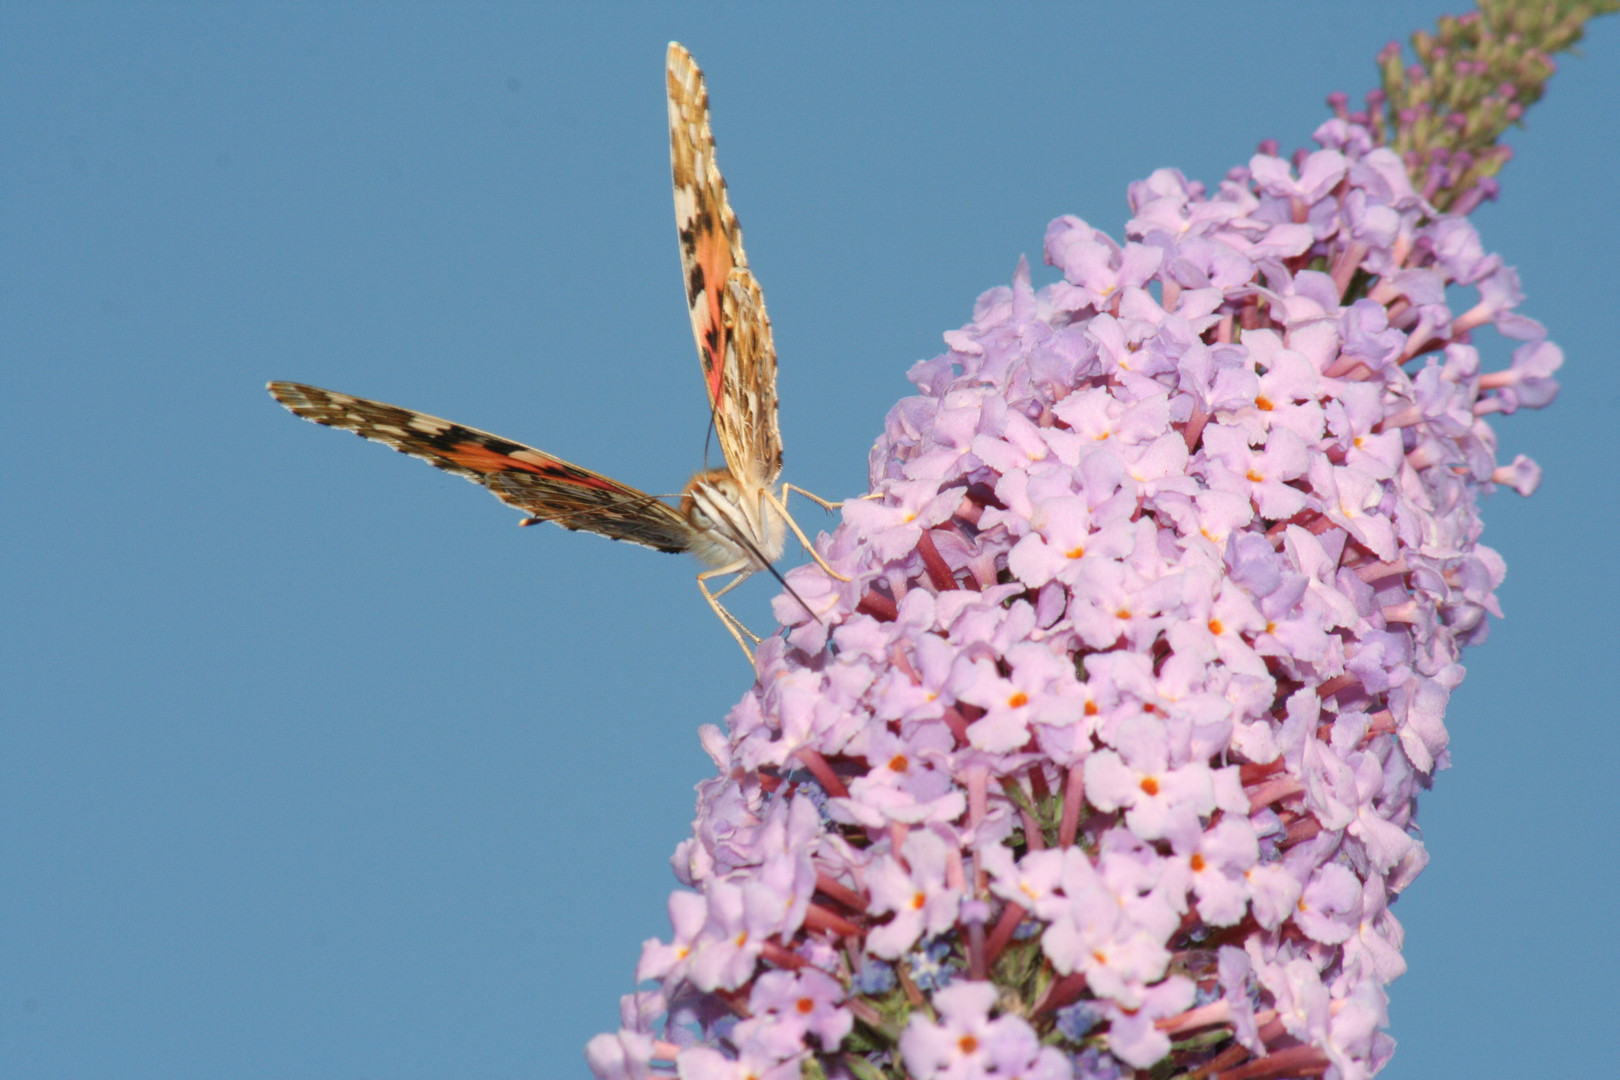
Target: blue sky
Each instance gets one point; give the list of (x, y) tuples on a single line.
[(313, 765)]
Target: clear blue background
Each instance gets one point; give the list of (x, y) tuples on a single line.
[(313, 765)]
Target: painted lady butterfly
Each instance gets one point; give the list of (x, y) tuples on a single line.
[(733, 519)]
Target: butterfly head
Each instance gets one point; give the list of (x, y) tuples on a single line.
[(731, 521)]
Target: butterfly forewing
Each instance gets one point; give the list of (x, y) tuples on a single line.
[(545, 486), (711, 240)]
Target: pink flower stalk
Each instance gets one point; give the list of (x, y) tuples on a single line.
[(1105, 758)]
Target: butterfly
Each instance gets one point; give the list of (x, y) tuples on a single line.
[(734, 519)]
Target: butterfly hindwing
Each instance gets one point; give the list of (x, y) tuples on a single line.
[(745, 418), (544, 486)]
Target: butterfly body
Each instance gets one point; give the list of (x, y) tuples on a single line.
[(733, 519)]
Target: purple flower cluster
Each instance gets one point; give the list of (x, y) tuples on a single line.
[(1107, 751)]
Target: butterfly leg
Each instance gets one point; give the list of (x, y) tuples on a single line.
[(733, 625), (781, 508), (823, 503), (812, 496)]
